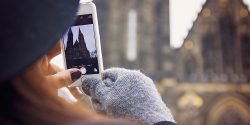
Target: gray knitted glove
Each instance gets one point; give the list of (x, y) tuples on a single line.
[(127, 94)]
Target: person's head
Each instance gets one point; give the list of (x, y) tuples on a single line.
[(29, 32)]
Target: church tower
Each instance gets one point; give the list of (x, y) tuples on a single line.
[(217, 46), (83, 51), (136, 36), (69, 40)]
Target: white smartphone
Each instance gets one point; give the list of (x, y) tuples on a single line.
[(81, 44)]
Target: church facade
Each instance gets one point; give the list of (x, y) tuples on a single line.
[(206, 81), (76, 51), (152, 31), (217, 47)]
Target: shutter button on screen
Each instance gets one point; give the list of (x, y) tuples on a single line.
[(83, 70)]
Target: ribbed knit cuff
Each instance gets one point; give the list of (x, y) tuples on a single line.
[(165, 123)]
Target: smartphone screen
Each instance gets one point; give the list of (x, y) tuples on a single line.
[(80, 45)]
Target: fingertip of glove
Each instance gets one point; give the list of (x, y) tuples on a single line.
[(91, 79), (113, 73), (89, 83), (114, 69)]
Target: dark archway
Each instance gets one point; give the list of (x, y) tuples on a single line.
[(230, 110)]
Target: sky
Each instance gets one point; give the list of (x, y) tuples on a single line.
[(88, 33), (182, 15)]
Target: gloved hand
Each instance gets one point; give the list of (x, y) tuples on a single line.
[(127, 94)]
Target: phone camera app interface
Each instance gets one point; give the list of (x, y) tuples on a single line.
[(80, 46)]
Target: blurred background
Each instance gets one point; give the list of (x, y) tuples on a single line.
[(196, 51)]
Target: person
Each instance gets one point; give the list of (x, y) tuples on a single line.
[(28, 82)]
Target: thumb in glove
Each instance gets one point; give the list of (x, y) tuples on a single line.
[(98, 91)]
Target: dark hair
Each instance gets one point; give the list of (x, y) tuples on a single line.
[(30, 99)]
